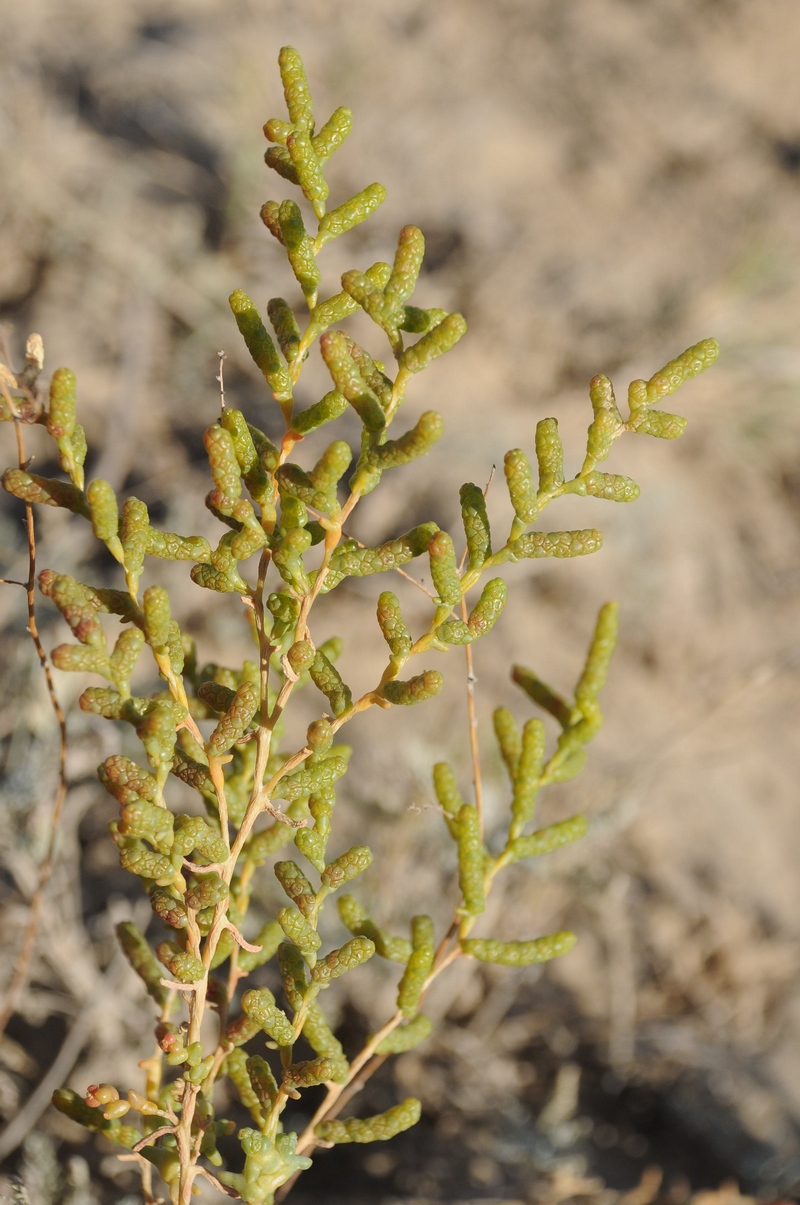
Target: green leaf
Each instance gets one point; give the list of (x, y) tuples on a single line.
[(545, 840), (260, 345), (418, 967), (260, 1006), (407, 1036), (142, 959), (346, 867), (372, 1129), (476, 526), (418, 689), (471, 856), (295, 88), (438, 341), (352, 954), (344, 217), (519, 953)]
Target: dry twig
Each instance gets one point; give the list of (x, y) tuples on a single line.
[(25, 957)]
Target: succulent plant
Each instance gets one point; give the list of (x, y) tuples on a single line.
[(219, 729)]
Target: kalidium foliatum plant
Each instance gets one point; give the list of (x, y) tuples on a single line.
[(267, 808)]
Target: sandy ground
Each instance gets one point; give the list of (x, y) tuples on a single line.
[(601, 184)]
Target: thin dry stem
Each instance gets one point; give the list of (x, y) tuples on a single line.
[(146, 1172), (148, 1138), (222, 358), (25, 957), (212, 1179)]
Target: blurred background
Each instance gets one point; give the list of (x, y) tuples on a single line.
[(601, 184)]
